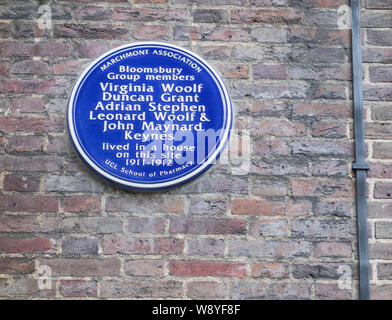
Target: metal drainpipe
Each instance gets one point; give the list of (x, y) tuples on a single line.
[(360, 166)]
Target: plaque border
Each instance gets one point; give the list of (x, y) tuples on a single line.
[(160, 185)]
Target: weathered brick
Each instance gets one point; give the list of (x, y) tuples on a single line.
[(31, 163), (272, 270), (269, 228), (275, 147), (247, 53), (379, 37), (22, 183), (269, 248), (17, 223), (331, 291), (380, 209), (281, 16), (378, 130), (378, 4), (146, 1), (269, 90), (280, 167), (68, 67), (27, 124), (333, 130), (320, 270), (275, 72), (13, 265), (381, 113), (269, 109), (272, 291), (27, 245), (80, 246), (343, 72), (380, 74), (203, 206), (127, 245), (381, 292), (324, 110), (27, 104), (380, 250), (217, 183), (213, 52), (278, 128), (30, 67), (89, 31), (384, 271), (206, 246), (91, 12), (319, 36), (257, 207), (4, 68), (149, 14), (146, 225), (169, 245), (377, 55), (5, 30), (322, 148), (72, 184), (380, 170), (344, 229), (383, 230), (82, 224), (331, 168), (262, 186), (376, 19), (330, 91), (23, 29), (30, 203), (383, 190), (11, 48), (58, 86), (91, 49), (149, 268), (375, 93), (334, 208), (226, 34), (152, 32), (207, 268), (82, 204), (78, 288), (207, 226), (144, 204), (274, 35), (299, 207), (18, 11), (234, 71), (210, 16), (141, 289), (25, 287), (187, 33), (81, 267), (210, 290)]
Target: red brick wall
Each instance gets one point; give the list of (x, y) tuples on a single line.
[(281, 231), (377, 24)]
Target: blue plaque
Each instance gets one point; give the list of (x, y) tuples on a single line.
[(149, 116)]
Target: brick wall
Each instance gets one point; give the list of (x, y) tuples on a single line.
[(285, 230), (377, 24)]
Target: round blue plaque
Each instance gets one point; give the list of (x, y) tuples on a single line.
[(149, 116)]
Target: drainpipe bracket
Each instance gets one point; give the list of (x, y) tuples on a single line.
[(360, 166)]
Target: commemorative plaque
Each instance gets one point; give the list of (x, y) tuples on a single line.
[(149, 116)]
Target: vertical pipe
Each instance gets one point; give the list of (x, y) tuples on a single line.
[(360, 166)]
